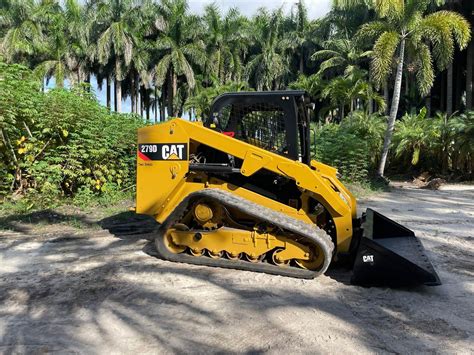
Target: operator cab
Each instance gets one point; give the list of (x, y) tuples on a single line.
[(277, 121)]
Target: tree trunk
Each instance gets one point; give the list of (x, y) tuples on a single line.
[(132, 92), (302, 61), (169, 96), (449, 89), (386, 95), (407, 84), (138, 105), (393, 110), (162, 106), (118, 88), (8, 144), (175, 90), (469, 70), (142, 101), (118, 96), (147, 104), (156, 104), (428, 105), (341, 113), (107, 80), (115, 96)]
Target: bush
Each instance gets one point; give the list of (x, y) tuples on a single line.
[(61, 142), (343, 150), (353, 146), (414, 134), (442, 144)]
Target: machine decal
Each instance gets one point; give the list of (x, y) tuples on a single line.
[(368, 258), (163, 151)]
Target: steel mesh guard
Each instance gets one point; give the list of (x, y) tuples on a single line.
[(260, 124)]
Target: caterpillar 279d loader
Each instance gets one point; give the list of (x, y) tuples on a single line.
[(241, 191)]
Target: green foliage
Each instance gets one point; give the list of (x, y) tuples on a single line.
[(399, 21), (463, 156), (352, 146), (61, 142), (370, 129), (441, 144), (340, 53), (158, 53), (269, 64), (413, 134), (201, 102)]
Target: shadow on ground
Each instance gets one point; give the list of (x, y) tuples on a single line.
[(93, 292)]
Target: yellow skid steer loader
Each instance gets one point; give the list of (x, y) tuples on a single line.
[(241, 191)]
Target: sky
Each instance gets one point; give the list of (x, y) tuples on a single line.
[(316, 8)]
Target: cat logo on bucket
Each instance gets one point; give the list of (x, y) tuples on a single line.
[(163, 151), (368, 258)]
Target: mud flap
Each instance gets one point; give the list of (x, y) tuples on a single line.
[(390, 254)]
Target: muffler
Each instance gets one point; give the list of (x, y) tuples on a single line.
[(390, 254)]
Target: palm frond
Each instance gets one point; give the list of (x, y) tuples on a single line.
[(425, 73), (383, 55)]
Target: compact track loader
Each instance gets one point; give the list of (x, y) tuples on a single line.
[(241, 191)]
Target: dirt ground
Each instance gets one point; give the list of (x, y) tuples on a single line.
[(68, 285)]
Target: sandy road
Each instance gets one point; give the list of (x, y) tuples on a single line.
[(83, 289)]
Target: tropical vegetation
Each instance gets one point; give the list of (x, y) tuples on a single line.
[(166, 61)]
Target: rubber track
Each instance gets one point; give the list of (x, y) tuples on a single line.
[(310, 232)]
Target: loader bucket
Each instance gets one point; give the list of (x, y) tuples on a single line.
[(390, 254)]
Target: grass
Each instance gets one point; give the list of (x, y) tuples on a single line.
[(367, 188), (78, 213), (85, 209)]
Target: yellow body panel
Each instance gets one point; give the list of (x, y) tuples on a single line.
[(163, 184)]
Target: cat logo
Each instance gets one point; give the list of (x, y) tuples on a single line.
[(172, 151), (368, 258), (163, 151)]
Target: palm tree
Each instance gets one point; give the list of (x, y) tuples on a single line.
[(401, 25), (299, 37), (202, 100), (340, 53), (22, 32), (337, 91), (116, 21), (79, 44), (63, 50), (178, 47), (270, 63), (312, 84), (226, 40)]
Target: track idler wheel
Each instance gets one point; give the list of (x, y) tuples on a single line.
[(316, 259), (169, 243)]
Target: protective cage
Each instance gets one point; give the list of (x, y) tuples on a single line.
[(276, 121), (390, 254), (261, 124)]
